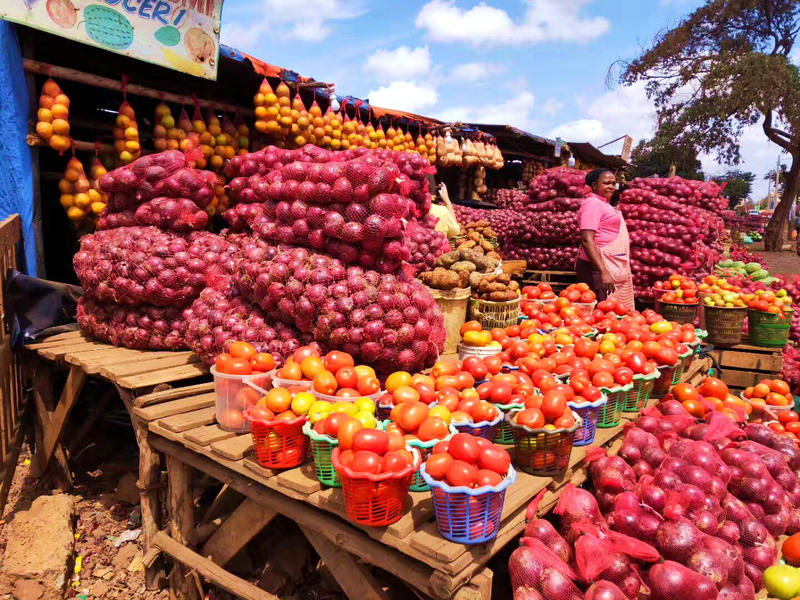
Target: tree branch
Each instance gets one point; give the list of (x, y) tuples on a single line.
[(775, 135)]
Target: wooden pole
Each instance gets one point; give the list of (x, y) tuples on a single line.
[(42, 68)]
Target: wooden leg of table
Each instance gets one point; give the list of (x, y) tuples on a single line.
[(181, 516), (245, 523), (478, 588), (354, 579), (54, 429), (45, 409)]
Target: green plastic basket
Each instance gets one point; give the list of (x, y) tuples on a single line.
[(504, 434), (636, 398), (768, 329), (424, 448), (683, 362), (321, 449), (612, 410)]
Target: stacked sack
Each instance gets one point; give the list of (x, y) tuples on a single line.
[(675, 226)]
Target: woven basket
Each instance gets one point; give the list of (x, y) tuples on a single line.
[(681, 313), (724, 324), (494, 314)]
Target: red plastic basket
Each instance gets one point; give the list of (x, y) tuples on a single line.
[(375, 500), (279, 444), (542, 451)]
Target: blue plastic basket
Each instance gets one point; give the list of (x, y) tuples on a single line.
[(468, 515), (589, 414), (484, 429)]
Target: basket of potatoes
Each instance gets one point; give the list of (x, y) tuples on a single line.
[(495, 301)]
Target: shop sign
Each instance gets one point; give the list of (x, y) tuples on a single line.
[(177, 34)]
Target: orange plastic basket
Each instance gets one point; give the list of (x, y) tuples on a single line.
[(279, 444), (375, 500)]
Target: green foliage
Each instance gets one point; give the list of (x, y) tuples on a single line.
[(656, 158), (738, 188)]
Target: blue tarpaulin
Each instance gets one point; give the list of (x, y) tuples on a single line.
[(16, 179)]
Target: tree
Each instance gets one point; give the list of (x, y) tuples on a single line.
[(656, 158), (723, 68), (738, 186)]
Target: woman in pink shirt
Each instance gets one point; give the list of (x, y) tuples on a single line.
[(604, 257)]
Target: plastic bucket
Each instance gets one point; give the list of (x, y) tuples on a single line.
[(481, 351), (454, 310), (234, 394), (543, 452)]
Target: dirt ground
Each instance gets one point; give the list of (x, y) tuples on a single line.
[(784, 263)]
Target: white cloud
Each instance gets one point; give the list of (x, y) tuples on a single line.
[(403, 63), (404, 95), (475, 71), (308, 21), (543, 21), (515, 111), (552, 107), (623, 111)]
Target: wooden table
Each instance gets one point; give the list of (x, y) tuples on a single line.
[(185, 430), (131, 372)]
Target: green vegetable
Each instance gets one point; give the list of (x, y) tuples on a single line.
[(752, 267), (758, 275)]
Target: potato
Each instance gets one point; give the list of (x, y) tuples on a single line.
[(502, 296), (475, 279), (463, 279), (449, 259), (463, 265)]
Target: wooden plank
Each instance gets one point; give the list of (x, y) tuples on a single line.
[(343, 534), (181, 518), (134, 382), (54, 429), (57, 339), (478, 588), (235, 448), (173, 394), (303, 479), (174, 407), (207, 435), (210, 571), (117, 370), (237, 530), (741, 379), (356, 581), (190, 420), (58, 352), (754, 361)]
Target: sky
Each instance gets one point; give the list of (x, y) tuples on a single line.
[(540, 65)]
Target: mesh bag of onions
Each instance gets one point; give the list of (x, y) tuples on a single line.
[(424, 242), (391, 322), (221, 315), (144, 265), (140, 327)]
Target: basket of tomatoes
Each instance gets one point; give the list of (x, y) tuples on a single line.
[(375, 479), (769, 315), (684, 358), (769, 394), (277, 429), (468, 477), (504, 435), (240, 377), (589, 413), (636, 398), (543, 437)]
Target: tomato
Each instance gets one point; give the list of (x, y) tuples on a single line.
[(463, 446), (603, 379), (461, 473), (547, 383), (325, 382), (241, 350), (333, 422), (500, 391), (792, 427), (790, 549), (484, 390), (598, 365), (393, 462), (695, 408), (623, 375), (346, 377), (396, 379), (347, 431), (335, 360), (714, 387), (262, 361), (565, 421), (373, 440), (484, 411), (365, 461), (636, 361), (494, 364), (368, 385), (346, 457), (223, 362), (470, 326), (405, 393), (530, 417), (685, 391), (666, 356), (290, 371), (568, 392), (432, 428), (554, 404), (441, 447), (245, 397), (776, 427), (427, 393), (445, 367), (262, 413), (303, 352), (412, 415), (780, 387), (438, 464), (465, 380), (487, 477), (239, 366), (495, 459), (449, 398), (396, 441), (444, 381), (475, 366)]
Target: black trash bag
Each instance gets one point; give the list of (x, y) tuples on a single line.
[(36, 308)]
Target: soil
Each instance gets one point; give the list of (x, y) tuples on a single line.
[(784, 263)]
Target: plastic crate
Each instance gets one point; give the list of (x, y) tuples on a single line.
[(321, 450), (542, 451), (279, 444), (636, 398), (611, 413), (768, 329), (375, 500), (468, 515), (503, 434), (589, 414), (484, 429), (664, 382)]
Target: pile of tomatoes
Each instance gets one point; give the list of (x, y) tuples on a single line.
[(371, 451), (335, 374), (468, 461), (769, 301), (712, 395), (579, 292), (769, 392), (243, 359), (541, 291)]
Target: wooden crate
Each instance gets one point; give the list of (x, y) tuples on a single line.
[(745, 365)]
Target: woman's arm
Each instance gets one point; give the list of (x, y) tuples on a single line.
[(590, 245)]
